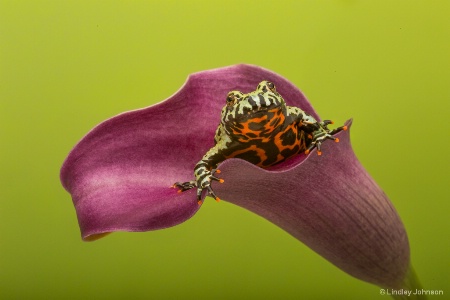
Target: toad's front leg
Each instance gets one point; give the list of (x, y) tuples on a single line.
[(317, 132), (322, 133), (204, 173)]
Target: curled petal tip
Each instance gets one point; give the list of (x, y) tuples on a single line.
[(119, 172), (332, 205)]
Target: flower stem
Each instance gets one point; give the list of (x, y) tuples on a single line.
[(411, 288)]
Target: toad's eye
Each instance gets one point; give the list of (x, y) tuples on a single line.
[(271, 86), (230, 99), (233, 97)]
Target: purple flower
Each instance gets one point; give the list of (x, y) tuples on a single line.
[(120, 173)]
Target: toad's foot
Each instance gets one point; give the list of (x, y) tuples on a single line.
[(203, 183), (322, 134)]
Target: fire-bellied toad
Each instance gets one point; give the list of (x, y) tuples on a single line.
[(260, 128)]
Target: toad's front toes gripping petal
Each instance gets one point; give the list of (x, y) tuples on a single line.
[(199, 195), (217, 179), (204, 177), (314, 144), (211, 192), (334, 131), (207, 186), (321, 135), (184, 186), (325, 124), (204, 180)]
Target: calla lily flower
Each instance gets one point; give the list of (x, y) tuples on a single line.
[(120, 174)]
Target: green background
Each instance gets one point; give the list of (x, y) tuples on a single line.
[(65, 66)]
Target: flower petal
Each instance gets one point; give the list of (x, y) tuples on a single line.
[(331, 204), (119, 176), (119, 173)]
